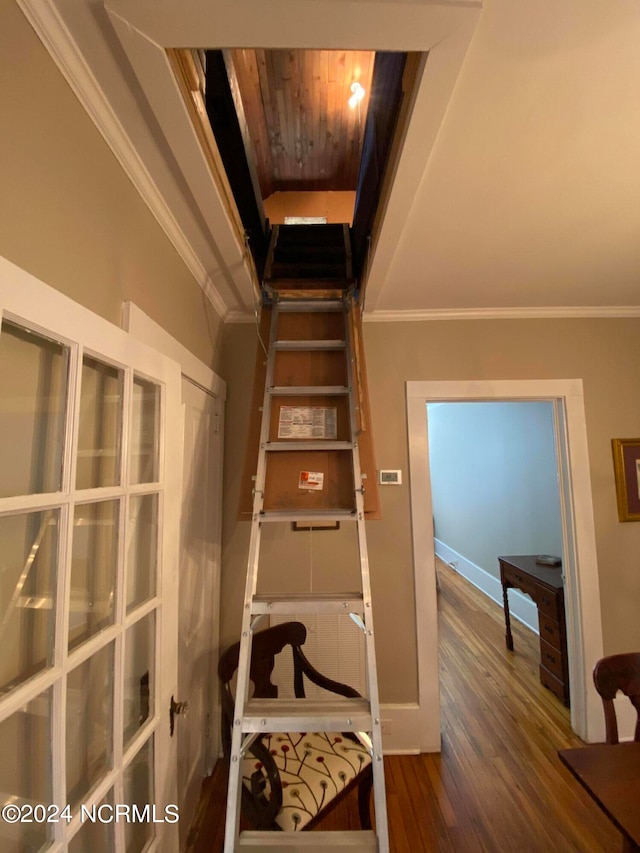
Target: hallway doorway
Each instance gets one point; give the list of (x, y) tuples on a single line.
[(582, 591)]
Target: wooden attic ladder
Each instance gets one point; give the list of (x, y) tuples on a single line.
[(300, 302)]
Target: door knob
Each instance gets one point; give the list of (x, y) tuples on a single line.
[(175, 709)]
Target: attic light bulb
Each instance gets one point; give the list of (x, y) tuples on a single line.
[(358, 94)]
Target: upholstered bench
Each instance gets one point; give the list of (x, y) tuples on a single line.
[(314, 768)]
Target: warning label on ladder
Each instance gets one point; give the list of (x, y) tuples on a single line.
[(311, 480), (307, 422)]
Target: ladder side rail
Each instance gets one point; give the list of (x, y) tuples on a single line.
[(24, 574), (275, 229), (346, 234), (382, 831), (234, 790)]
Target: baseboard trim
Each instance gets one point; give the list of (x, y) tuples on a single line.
[(402, 730), (520, 606)]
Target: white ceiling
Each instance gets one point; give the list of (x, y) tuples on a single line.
[(518, 189)]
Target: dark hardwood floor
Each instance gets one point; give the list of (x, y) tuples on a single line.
[(497, 785)]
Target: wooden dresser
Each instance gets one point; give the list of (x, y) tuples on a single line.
[(544, 585)]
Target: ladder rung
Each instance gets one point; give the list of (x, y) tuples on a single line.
[(308, 291), (307, 390), (254, 841), (327, 270), (36, 602), (308, 602), (307, 715), (309, 345), (303, 444), (77, 604), (308, 516), (337, 284), (308, 306)]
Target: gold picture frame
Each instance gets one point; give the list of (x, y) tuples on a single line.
[(626, 465)]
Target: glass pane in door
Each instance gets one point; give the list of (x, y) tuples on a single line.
[(33, 403), (96, 834), (138, 675), (94, 558), (89, 724), (142, 552), (145, 431), (138, 791), (28, 571), (25, 772), (99, 428)]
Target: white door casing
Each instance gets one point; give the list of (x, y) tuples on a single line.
[(139, 753), (199, 611), (203, 395), (582, 599)]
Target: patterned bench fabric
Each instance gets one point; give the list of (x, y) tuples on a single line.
[(314, 768)]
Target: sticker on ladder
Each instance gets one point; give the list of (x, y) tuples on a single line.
[(312, 480), (307, 422)]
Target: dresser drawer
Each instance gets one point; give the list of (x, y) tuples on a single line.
[(519, 579), (550, 631), (555, 684), (549, 603), (551, 659)]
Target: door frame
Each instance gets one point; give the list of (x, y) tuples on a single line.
[(582, 599)]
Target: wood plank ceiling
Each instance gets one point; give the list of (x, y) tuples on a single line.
[(305, 135)]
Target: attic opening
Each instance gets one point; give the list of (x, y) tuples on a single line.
[(291, 144)]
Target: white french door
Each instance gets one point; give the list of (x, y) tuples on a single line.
[(90, 490)]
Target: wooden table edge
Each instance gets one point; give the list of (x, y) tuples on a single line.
[(562, 756)]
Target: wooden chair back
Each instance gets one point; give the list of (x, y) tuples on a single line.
[(266, 645), (614, 673)]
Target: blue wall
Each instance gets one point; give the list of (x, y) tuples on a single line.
[(493, 479)]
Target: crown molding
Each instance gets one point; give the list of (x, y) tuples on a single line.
[(598, 312), (213, 295), (53, 33), (542, 313), (601, 312)]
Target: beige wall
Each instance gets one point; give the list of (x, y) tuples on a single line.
[(604, 353), (70, 216), (335, 206)]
